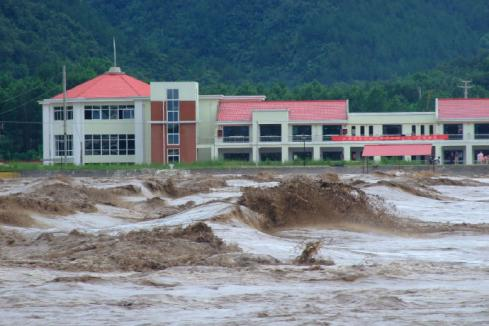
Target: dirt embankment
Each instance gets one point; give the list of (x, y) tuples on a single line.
[(303, 201), (141, 250)]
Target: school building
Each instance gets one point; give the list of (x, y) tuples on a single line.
[(115, 118)]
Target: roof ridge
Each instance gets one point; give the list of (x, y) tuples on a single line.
[(95, 81), (124, 79)]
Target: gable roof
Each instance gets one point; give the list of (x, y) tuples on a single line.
[(298, 110), (109, 85), (463, 109)]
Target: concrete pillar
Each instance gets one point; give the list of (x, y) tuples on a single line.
[(47, 120), (439, 153), (139, 131), (317, 133), (285, 134), (78, 133), (255, 157), (469, 131), (407, 158), (469, 155), (285, 153), (377, 130), (346, 153), (377, 158), (316, 153)]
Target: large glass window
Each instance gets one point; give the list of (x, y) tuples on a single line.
[(173, 155), (59, 113), (331, 130), (301, 133), (481, 131), (173, 134), (63, 148), (109, 112), (270, 133), (392, 130), (454, 131), (236, 134), (109, 144)]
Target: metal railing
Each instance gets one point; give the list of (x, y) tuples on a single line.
[(236, 139), (481, 136), (301, 138), (455, 136), (270, 138)]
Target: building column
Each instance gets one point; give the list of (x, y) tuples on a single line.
[(78, 134), (316, 153), (139, 131), (46, 135), (377, 158), (346, 153), (407, 158), (469, 155), (468, 131), (254, 154), (439, 153), (285, 153)]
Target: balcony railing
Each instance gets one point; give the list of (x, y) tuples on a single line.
[(481, 136), (455, 136), (301, 138), (236, 139), (270, 138)]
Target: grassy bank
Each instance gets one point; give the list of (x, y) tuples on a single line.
[(16, 166)]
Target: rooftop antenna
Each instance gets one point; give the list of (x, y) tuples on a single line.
[(114, 68), (466, 87), (115, 51)]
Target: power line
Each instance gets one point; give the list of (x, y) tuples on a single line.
[(26, 102), (21, 94)]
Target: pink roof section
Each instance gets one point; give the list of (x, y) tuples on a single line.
[(465, 109), (396, 150), (109, 85), (298, 110)]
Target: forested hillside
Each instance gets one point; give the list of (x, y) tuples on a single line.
[(382, 55)]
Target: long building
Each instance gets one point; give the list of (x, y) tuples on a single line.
[(115, 118)]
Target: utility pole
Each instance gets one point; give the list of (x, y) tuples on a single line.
[(65, 143), (466, 87)]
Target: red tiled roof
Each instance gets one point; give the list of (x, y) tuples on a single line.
[(463, 108), (298, 110), (109, 85), (396, 150)]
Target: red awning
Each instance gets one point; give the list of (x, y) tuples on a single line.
[(396, 150)]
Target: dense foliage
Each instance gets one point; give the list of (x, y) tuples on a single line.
[(371, 52)]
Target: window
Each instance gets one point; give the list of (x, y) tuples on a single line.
[(173, 111), (109, 112), (270, 133), (362, 130), (331, 130), (173, 134), (454, 131), (59, 113), (301, 133), (413, 130), (422, 130), (109, 144), (236, 134), (392, 130), (61, 148), (431, 129), (173, 155), (353, 131), (370, 130)]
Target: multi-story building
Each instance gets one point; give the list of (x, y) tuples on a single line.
[(117, 118)]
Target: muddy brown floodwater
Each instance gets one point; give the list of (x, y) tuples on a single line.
[(177, 247)]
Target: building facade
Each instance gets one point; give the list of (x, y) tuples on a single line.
[(115, 118)]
